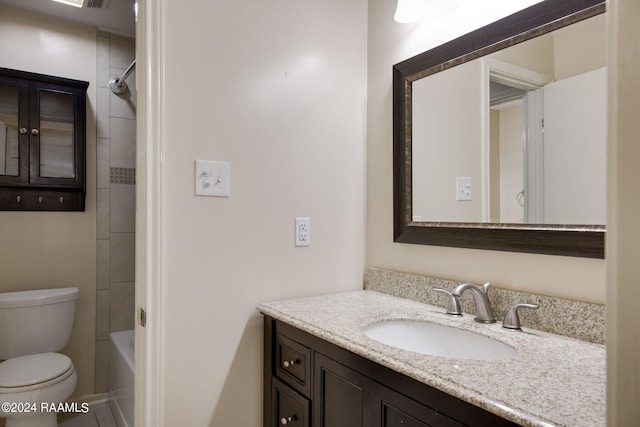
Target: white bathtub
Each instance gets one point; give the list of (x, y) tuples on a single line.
[(121, 371)]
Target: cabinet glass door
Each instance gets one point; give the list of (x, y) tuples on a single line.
[(9, 139), (56, 135)]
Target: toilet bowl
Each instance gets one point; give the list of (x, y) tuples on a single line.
[(34, 378), (29, 385)]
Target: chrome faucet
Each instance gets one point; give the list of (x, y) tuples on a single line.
[(484, 313)]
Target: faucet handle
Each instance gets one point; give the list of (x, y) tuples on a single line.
[(454, 302), (511, 320)]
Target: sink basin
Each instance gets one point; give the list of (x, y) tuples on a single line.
[(438, 340)]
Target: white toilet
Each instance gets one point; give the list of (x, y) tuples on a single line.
[(34, 325)]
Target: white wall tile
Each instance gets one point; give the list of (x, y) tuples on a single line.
[(122, 258), (123, 208), (103, 58), (123, 143), (124, 106), (116, 129), (103, 214), (104, 264), (102, 315), (102, 366), (103, 163), (122, 306), (103, 110), (122, 51)]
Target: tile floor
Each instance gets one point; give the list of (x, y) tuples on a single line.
[(99, 415)]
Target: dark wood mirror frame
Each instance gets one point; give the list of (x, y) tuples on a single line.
[(569, 240)]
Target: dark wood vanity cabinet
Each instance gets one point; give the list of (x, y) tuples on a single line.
[(309, 382), (42, 142)]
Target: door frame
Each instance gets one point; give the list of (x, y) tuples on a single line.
[(149, 294)]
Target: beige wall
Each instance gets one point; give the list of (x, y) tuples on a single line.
[(623, 234), (389, 43), (580, 50), (278, 90), (461, 126), (44, 249)]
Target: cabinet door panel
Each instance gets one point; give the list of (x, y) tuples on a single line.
[(57, 135), (14, 115), (341, 401), (57, 129), (394, 417), (338, 395), (399, 410)]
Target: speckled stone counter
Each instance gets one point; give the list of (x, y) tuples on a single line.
[(575, 319), (552, 381)]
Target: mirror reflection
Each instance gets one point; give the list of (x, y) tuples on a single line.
[(9, 157), (518, 136)]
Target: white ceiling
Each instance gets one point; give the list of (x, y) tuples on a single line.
[(117, 17)]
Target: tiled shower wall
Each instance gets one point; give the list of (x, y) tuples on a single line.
[(116, 152)]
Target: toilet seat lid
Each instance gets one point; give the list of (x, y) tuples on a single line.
[(33, 369)]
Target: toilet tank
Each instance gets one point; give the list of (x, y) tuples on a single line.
[(37, 321)]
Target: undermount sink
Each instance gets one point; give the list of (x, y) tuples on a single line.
[(438, 340)]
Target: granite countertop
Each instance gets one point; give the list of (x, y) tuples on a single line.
[(552, 381)]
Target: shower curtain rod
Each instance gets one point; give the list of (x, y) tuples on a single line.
[(119, 85)]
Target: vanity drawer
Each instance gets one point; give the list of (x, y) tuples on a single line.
[(288, 407), (293, 364)]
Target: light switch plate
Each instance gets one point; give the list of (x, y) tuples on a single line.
[(213, 178)]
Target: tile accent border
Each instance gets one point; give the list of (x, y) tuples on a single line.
[(575, 319), (123, 176)]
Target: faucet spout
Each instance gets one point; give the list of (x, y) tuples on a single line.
[(484, 312)]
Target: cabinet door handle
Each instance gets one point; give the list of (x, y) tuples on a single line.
[(288, 363), (35, 132), (23, 131), (284, 421)]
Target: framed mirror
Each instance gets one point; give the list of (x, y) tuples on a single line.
[(500, 135)]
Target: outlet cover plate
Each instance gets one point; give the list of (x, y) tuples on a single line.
[(303, 232)]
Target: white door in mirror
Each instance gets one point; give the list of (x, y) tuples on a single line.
[(213, 178)]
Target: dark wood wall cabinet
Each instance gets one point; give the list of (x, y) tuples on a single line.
[(309, 382), (42, 142)]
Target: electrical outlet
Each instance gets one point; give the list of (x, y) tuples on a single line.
[(463, 188), (303, 232)]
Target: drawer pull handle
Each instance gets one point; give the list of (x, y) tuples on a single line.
[(284, 421), (288, 363)]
